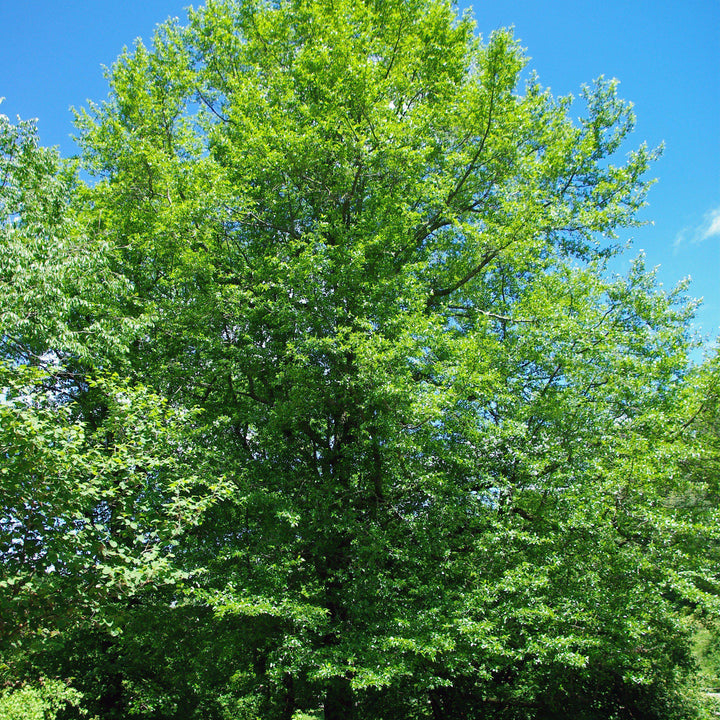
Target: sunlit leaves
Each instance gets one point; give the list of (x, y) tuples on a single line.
[(89, 511)]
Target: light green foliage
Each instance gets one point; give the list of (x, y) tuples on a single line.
[(92, 511), (96, 487), (58, 294), (387, 439), (42, 702)]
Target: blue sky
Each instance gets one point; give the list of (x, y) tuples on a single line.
[(666, 53)]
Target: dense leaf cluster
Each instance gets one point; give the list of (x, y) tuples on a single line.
[(322, 401)]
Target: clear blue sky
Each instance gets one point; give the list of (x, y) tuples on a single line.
[(666, 53)]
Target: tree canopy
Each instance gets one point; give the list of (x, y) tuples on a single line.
[(321, 399)]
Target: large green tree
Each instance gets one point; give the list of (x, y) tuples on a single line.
[(357, 279)]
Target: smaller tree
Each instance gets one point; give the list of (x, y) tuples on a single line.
[(100, 478)]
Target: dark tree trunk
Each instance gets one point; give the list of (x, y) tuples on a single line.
[(288, 705), (339, 702), (438, 712)]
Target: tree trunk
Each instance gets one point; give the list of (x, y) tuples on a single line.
[(339, 702), (288, 704)]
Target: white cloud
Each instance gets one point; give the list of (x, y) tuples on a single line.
[(680, 239), (712, 224), (710, 227)]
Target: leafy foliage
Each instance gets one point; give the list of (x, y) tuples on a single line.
[(344, 413), (37, 703)]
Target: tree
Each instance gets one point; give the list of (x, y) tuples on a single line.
[(93, 498), (370, 275)]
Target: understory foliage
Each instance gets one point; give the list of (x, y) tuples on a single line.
[(321, 400)]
